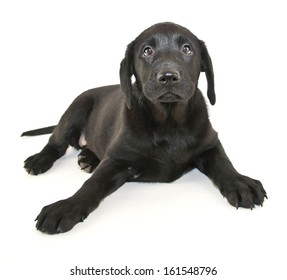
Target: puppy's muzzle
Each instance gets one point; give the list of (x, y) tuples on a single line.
[(169, 97), (168, 77)]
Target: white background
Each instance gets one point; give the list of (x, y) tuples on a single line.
[(51, 51)]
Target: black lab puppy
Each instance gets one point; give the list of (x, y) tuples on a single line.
[(153, 130)]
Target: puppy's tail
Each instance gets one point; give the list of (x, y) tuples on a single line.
[(39, 131)]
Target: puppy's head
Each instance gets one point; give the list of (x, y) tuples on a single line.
[(166, 60)]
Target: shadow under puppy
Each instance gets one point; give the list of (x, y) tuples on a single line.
[(153, 130)]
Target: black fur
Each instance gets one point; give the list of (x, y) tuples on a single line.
[(39, 131), (154, 130)]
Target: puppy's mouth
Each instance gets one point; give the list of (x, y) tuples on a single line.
[(169, 97)]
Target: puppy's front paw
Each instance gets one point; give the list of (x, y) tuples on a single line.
[(243, 191), (60, 217)]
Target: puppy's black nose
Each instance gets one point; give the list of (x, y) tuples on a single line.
[(165, 77)]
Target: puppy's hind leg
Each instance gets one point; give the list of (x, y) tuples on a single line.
[(66, 133), (87, 160)]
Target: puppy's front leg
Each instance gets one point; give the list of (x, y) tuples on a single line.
[(62, 215), (240, 190)]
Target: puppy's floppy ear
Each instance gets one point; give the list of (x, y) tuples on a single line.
[(126, 72), (208, 69)]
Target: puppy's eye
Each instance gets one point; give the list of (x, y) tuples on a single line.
[(186, 49), (147, 51)]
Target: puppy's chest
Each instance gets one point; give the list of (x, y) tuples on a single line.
[(175, 148), (162, 158)]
